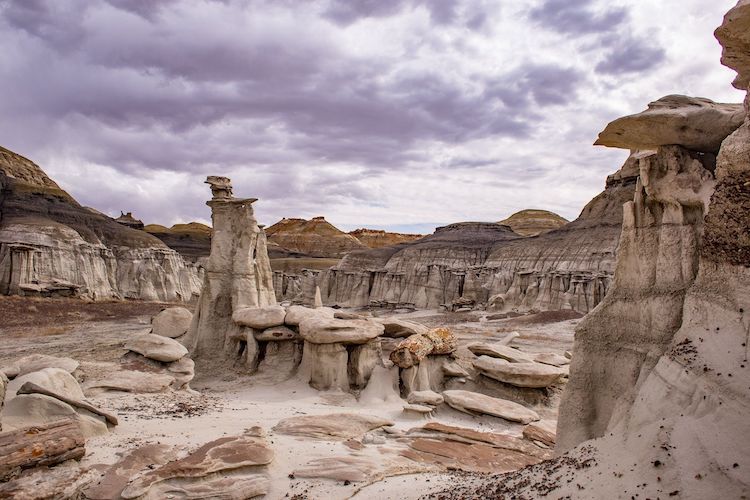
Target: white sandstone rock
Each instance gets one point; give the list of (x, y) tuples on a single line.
[(296, 314), (497, 350), (36, 362), (425, 397), (172, 322), (53, 379)]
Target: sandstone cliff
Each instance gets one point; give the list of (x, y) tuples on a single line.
[(659, 387), (531, 222), (51, 245)]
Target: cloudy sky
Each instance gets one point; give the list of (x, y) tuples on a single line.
[(398, 114)]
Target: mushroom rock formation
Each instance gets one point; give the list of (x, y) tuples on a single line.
[(695, 123), (52, 246), (664, 358), (531, 222), (237, 276)]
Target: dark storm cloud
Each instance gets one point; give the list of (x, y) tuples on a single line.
[(631, 55), (577, 16)]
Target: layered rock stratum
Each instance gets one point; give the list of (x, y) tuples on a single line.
[(483, 264), (191, 240), (51, 245), (659, 388), (531, 222), (379, 238), (314, 238)]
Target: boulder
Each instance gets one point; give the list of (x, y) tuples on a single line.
[(38, 409), (260, 318), (276, 333), (332, 427), (451, 368), (412, 350), (56, 380), (519, 374), (544, 431), (425, 397), (202, 468), (296, 314), (695, 123), (172, 322), (473, 402), (36, 362), (156, 347), (320, 330), (498, 350), (396, 328)]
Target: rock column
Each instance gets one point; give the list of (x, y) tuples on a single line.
[(237, 275)]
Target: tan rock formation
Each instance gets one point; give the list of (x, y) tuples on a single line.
[(735, 43), (474, 402), (378, 238), (51, 245), (191, 240), (172, 322), (695, 123), (237, 276), (315, 237), (531, 222)]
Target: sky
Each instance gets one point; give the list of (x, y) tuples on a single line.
[(393, 114)]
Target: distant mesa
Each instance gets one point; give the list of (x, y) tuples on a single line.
[(314, 238), (532, 222), (378, 238), (191, 240)]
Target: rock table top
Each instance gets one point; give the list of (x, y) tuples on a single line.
[(321, 330)]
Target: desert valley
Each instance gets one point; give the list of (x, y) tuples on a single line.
[(528, 357)]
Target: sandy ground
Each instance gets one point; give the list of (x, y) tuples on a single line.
[(226, 404)]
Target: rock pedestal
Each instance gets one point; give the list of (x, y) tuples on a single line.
[(238, 275)]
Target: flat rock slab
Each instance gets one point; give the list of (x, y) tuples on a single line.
[(550, 358), (233, 486), (397, 328), (474, 402), (117, 476), (320, 330), (695, 123), (260, 318), (544, 431), (498, 350), (36, 362), (534, 375), (156, 347), (172, 322), (224, 454), (425, 397), (451, 432), (39, 409), (415, 408), (296, 314), (130, 381), (335, 426), (344, 468), (32, 388)]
